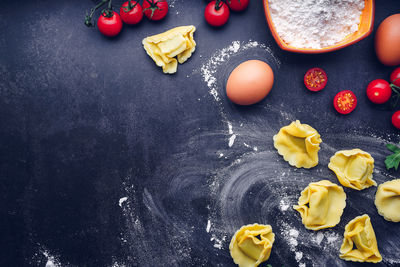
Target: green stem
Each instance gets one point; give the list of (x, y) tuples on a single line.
[(395, 88), (130, 6), (153, 6), (88, 17), (218, 4)]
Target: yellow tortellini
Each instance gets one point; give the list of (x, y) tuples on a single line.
[(298, 144), (387, 200), (359, 242), (251, 245), (163, 47), (321, 205), (353, 168)]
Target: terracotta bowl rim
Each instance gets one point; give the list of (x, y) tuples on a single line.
[(285, 47)]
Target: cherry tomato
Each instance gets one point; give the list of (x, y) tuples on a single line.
[(395, 77), (216, 13), (379, 91), (131, 12), (345, 102), (109, 23), (238, 5), (155, 9), (315, 79), (396, 119)]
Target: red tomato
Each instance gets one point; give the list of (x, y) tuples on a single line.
[(395, 77), (155, 9), (379, 91), (216, 13), (315, 79), (345, 102), (238, 5), (396, 119), (109, 23), (131, 12)]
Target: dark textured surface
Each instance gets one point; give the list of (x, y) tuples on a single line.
[(87, 120)]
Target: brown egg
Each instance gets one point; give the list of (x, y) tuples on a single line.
[(387, 41), (250, 82)]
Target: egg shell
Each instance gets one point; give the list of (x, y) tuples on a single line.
[(387, 41), (250, 82)]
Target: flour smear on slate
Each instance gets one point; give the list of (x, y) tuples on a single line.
[(247, 182)]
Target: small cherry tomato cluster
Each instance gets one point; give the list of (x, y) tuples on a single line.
[(316, 79), (217, 11), (380, 91), (131, 12)]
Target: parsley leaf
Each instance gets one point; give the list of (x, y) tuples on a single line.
[(393, 148), (393, 160)]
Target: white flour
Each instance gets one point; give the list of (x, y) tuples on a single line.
[(232, 140), (291, 236), (208, 228), (283, 205), (233, 136), (122, 200), (315, 23), (52, 261), (218, 243)]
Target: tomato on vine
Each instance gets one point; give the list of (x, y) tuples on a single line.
[(109, 23), (131, 12), (396, 119), (395, 77), (379, 91), (155, 9), (238, 5), (216, 13)]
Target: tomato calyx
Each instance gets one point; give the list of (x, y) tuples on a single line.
[(108, 13), (153, 6), (218, 4), (130, 6), (394, 86), (396, 89), (88, 17)]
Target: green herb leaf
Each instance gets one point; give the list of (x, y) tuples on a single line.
[(393, 148), (393, 160)]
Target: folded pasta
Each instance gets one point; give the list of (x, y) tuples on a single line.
[(387, 200), (298, 144), (321, 205), (251, 245), (164, 47), (353, 168), (359, 242)]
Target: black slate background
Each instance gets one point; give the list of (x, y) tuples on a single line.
[(86, 120)]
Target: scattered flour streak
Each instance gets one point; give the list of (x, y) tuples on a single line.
[(122, 200), (210, 68), (208, 228), (232, 140), (52, 261)]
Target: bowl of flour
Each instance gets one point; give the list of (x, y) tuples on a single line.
[(319, 26)]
